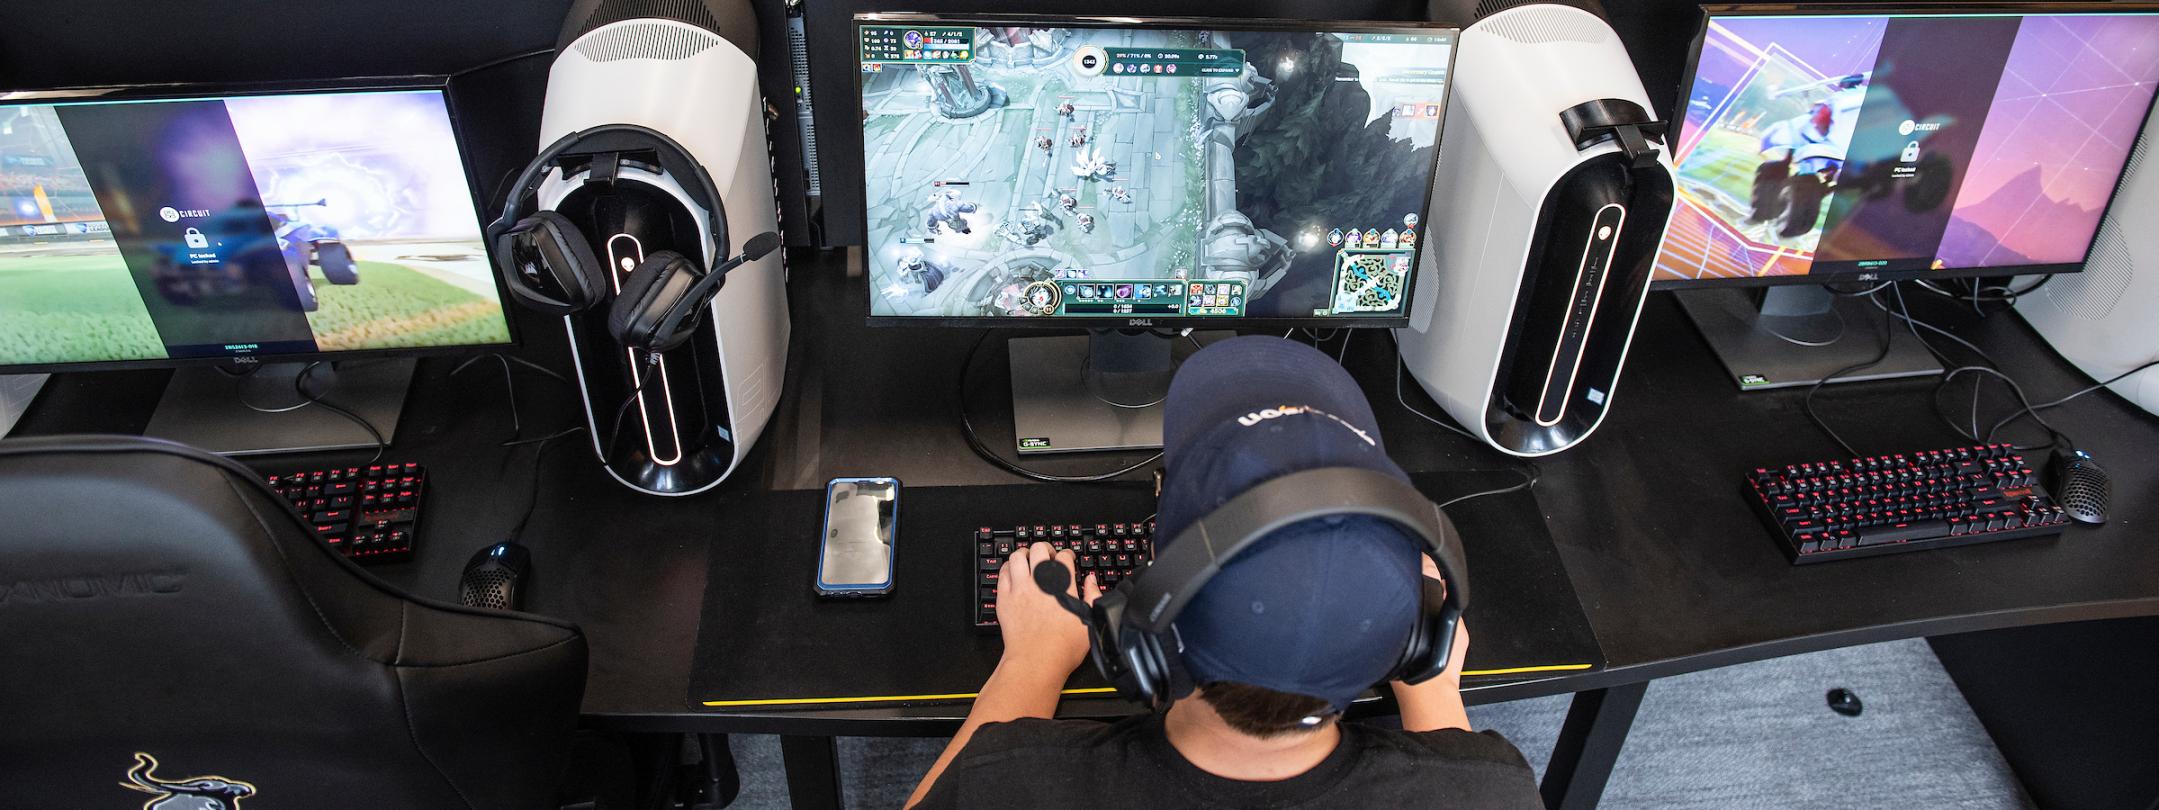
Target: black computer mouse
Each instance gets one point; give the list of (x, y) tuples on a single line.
[(495, 577), (2081, 486)]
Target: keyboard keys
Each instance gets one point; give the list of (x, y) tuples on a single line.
[(369, 514), (1903, 501), (1109, 551)]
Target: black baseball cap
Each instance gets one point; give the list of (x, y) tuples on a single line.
[(1322, 607)]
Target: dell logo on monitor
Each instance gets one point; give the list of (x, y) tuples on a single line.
[(1140, 322)]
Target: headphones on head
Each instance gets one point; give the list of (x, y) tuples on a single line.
[(548, 265), (1131, 628)]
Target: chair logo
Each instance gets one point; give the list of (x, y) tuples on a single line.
[(187, 793)]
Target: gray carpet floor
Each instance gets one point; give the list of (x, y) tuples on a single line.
[(1757, 735)]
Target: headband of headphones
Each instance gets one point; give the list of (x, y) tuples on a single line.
[(616, 139), (1183, 567)]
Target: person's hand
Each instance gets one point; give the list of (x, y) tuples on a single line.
[(1038, 632)]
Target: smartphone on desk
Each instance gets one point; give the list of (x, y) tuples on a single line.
[(861, 527)]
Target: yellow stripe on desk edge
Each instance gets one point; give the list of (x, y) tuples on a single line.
[(1096, 690)]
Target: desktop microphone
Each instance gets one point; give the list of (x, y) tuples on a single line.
[(641, 320), (752, 250)]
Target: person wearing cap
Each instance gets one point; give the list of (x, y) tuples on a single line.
[(1275, 646)]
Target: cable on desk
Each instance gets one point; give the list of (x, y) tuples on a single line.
[(1912, 324), (1529, 471), (509, 387), (1807, 404), (974, 441), (1970, 431), (637, 387), (2006, 295), (1912, 321), (2054, 435), (299, 386), (1087, 367), (242, 395), (508, 358), (1529, 474), (2033, 410), (1341, 353), (1990, 367), (1400, 364), (532, 498)]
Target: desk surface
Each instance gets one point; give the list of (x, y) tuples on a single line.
[(1673, 570)]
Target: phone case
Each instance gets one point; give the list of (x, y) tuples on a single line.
[(850, 550)]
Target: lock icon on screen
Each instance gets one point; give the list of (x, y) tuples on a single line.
[(195, 239), (1911, 152)]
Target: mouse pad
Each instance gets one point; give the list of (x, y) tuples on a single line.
[(767, 642)]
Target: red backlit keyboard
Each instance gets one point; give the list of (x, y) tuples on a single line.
[(1834, 510), (1110, 551), (369, 513)]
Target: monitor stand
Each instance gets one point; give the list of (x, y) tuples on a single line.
[(1098, 391), (1791, 336), (244, 414)]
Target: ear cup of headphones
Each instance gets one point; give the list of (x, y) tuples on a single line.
[(1150, 670), (653, 312), (548, 266), (1118, 651), (1431, 639)]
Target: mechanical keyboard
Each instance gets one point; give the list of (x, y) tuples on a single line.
[(1110, 551), (368, 513), (1861, 507)]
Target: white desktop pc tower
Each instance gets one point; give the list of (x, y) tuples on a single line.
[(686, 70), (1551, 196), (2105, 320)]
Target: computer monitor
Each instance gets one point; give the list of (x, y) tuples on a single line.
[(1121, 173), (1097, 172), (1838, 144), (151, 227)]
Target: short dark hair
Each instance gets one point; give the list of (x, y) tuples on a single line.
[(1263, 712)]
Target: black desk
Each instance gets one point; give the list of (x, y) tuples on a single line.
[(1675, 573)]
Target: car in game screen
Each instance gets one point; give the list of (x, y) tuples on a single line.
[(245, 254), (1802, 156)]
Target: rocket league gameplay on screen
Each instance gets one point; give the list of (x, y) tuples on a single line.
[(145, 230), (1858, 145)]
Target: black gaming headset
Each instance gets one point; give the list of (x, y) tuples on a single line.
[(548, 265), (1131, 628)]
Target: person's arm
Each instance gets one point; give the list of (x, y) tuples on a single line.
[(1043, 644), (1437, 703)]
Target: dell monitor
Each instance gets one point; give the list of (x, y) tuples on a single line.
[(151, 227), (1833, 144), (1105, 173)]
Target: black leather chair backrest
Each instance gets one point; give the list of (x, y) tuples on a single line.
[(170, 628)]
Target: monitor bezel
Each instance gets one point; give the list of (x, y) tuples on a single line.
[(167, 92), (1686, 89), (1175, 321)]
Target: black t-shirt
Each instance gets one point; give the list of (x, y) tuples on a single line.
[(1086, 765)]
